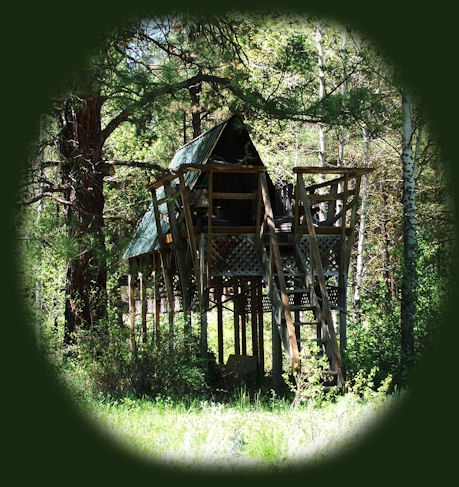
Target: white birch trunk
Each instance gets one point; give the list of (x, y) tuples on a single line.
[(409, 283), (39, 278), (361, 232)]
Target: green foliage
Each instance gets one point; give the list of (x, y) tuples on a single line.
[(308, 384)]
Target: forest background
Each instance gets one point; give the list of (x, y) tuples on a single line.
[(440, 378)]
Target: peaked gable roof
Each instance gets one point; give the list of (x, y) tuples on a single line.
[(195, 152)]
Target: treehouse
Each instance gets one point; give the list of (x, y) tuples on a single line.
[(218, 231)]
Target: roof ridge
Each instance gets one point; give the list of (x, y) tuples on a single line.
[(202, 135)]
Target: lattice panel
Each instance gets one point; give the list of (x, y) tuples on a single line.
[(289, 265), (329, 249), (234, 255), (333, 295)]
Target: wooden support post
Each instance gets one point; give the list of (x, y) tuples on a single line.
[(143, 299), (323, 289), (210, 210), (166, 275), (179, 252), (261, 341), (157, 300), (254, 318), (276, 352), (290, 340), (219, 299), (190, 233), (203, 307), (243, 316), (297, 301), (131, 286), (236, 298), (342, 278)]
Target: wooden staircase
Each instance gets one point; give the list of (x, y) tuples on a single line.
[(300, 315)]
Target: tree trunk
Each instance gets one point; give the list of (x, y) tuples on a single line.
[(361, 232), (409, 283), (320, 62), (82, 171), (195, 94)]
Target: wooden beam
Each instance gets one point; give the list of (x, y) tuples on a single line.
[(261, 342), (143, 302), (218, 297), (190, 229), (203, 307), (313, 187), (259, 223), (157, 300), (234, 196), (131, 287), (236, 300), (295, 362), (162, 253), (243, 316), (331, 170), (350, 242), (209, 223), (178, 249), (323, 289), (216, 167), (254, 318), (328, 197)]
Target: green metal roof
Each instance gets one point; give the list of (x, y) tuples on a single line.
[(195, 152)]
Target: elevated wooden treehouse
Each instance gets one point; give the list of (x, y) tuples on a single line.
[(217, 230)]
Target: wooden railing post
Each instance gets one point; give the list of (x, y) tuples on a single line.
[(323, 289), (295, 361)]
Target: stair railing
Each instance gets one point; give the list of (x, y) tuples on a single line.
[(279, 296), (316, 264)]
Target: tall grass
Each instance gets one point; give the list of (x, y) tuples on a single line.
[(241, 433)]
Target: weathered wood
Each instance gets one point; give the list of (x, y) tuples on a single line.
[(254, 318), (280, 275), (191, 235), (329, 196), (331, 170), (209, 223), (234, 196), (179, 251), (231, 230), (259, 223), (203, 307), (157, 299), (261, 342), (218, 297), (323, 289), (164, 266), (143, 303), (243, 316), (131, 287), (313, 187), (350, 242), (342, 281), (236, 300), (215, 167), (171, 195), (276, 351)]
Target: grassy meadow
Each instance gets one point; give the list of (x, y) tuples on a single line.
[(240, 433)]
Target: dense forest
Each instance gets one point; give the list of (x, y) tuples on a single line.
[(311, 93)]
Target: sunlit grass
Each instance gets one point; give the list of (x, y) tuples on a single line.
[(204, 433)]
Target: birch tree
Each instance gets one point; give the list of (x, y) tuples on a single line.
[(409, 284)]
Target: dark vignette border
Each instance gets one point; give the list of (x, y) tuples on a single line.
[(46, 438)]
